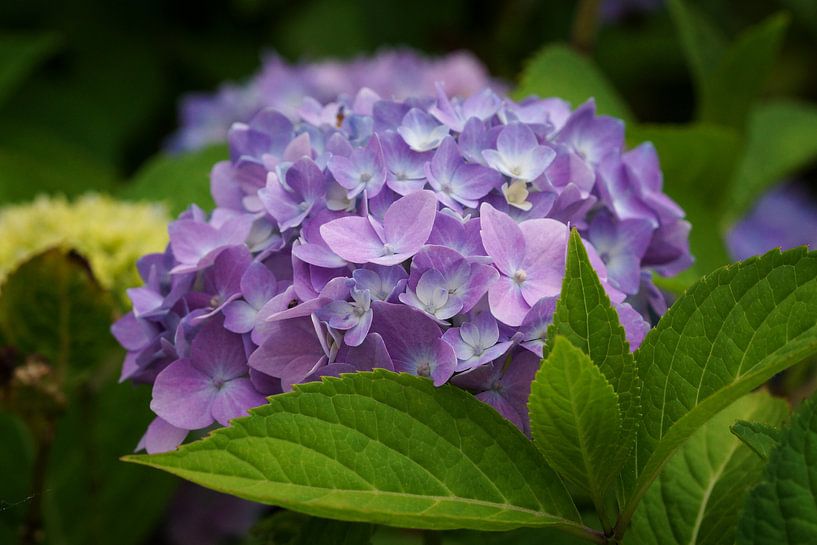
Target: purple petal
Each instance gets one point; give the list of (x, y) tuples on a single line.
[(218, 353), (353, 238), (161, 436), (183, 396), (502, 239), (408, 222), (370, 354), (234, 399), (507, 303), (413, 341), (291, 351)]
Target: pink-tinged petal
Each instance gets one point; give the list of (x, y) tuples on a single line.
[(506, 301), (544, 263), (408, 222), (345, 171), (161, 436), (502, 239), (353, 238), (183, 396), (234, 399)]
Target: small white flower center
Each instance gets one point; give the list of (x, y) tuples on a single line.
[(520, 276)]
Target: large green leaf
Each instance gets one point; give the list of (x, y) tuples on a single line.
[(575, 419), (384, 448), (19, 55), (16, 465), (780, 140), (697, 498), (729, 333), (290, 528), (697, 161), (584, 317), (179, 180), (53, 307), (727, 78), (782, 509), (558, 71), (759, 437)]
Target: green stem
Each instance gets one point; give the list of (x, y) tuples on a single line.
[(585, 25)]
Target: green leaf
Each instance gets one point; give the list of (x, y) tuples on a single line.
[(757, 436), (69, 170), (558, 71), (92, 497), (780, 141), (16, 466), (729, 333), (53, 307), (697, 498), (696, 160), (703, 44), (383, 448), (742, 72), (782, 509), (585, 318), (727, 78), (575, 419), (19, 55), (179, 180), (290, 528)]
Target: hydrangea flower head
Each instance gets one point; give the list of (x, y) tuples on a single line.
[(425, 236), (394, 74)]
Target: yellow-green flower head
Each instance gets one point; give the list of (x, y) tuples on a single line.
[(110, 234)]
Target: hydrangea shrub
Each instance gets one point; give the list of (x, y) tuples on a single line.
[(423, 286), (425, 236)]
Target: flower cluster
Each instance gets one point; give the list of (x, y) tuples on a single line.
[(425, 236), (395, 74), (111, 235), (784, 217)]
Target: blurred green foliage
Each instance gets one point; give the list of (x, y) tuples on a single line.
[(725, 90)]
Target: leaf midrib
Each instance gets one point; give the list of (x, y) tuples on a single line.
[(693, 537)]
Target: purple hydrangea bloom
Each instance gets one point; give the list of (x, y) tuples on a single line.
[(396, 74), (426, 236), (784, 217)]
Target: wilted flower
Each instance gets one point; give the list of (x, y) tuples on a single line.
[(393, 74), (426, 236)]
